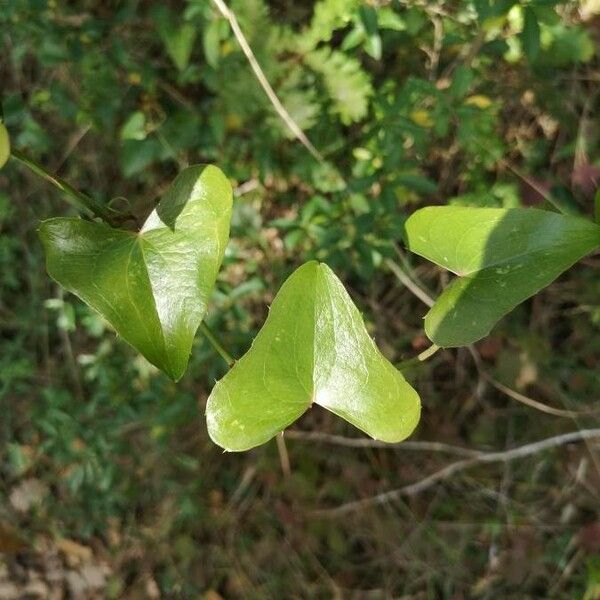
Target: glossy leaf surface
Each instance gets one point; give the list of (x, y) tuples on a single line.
[(313, 348), (151, 286), (502, 257)]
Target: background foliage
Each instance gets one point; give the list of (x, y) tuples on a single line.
[(471, 102)]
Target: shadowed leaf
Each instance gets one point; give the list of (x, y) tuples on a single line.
[(151, 286), (502, 257)]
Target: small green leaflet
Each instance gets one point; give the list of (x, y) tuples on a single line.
[(313, 348), (530, 36), (502, 257), (178, 39), (4, 145), (152, 286)]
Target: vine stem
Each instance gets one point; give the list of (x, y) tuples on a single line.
[(110, 217), (423, 356), (428, 353), (212, 338), (78, 198)]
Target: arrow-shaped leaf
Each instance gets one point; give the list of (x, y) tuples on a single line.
[(151, 286), (313, 348), (502, 257)]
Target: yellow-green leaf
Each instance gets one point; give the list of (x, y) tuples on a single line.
[(313, 348)]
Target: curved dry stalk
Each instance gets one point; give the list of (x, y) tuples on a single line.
[(79, 199), (409, 284), (549, 410), (264, 82), (456, 467), (347, 442)]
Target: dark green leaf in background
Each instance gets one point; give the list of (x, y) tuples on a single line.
[(368, 17), (178, 39), (313, 348), (502, 257), (211, 42), (152, 286), (530, 36)]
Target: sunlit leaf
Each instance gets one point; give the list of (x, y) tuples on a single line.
[(135, 127), (151, 286), (346, 82), (313, 348), (502, 257)]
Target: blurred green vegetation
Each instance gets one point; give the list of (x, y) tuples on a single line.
[(473, 102)]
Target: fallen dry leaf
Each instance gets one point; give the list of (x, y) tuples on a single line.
[(27, 494)]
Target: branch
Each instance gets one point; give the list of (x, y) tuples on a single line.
[(456, 467), (264, 82), (408, 283), (348, 442), (214, 342), (550, 410), (78, 198), (557, 412)]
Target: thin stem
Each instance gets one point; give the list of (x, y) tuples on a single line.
[(454, 468), (284, 457), (78, 198), (426, 354), (264, 82), (408, 283), (210, 336)]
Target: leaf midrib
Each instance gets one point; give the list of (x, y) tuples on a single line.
[(139, 239), (499, 263)]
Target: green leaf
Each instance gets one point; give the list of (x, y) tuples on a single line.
[(4, 145), (137, 155), (178, 40), (502, 257), (180, 43), (347, 84), (530, 36), (211, 42), (368, 17), (569, 45), (462, 81), (417, 182), (135, 127), (388, 19), (151, 286), (313, 348)]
